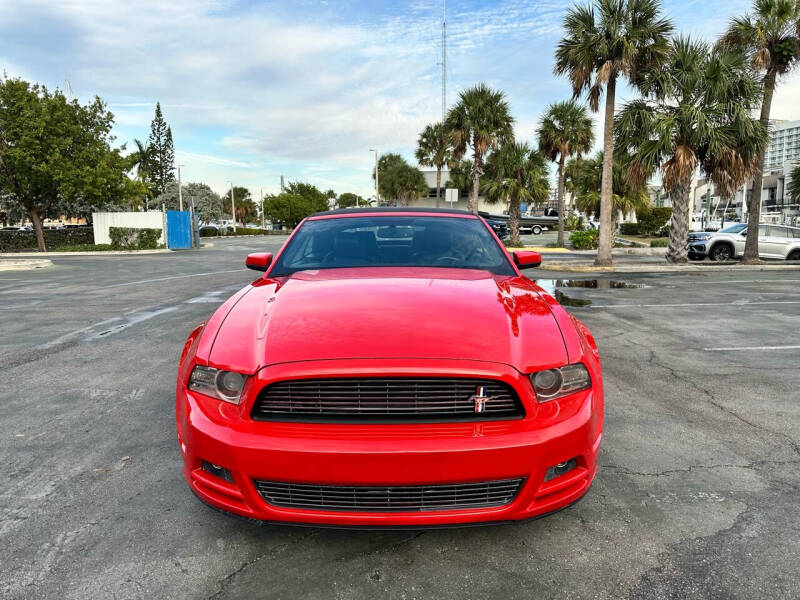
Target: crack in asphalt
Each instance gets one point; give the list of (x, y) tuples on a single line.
[(753, 465), (223, 583)]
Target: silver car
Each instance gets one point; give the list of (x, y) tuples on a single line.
[(774, 241)]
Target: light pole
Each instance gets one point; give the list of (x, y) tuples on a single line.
[(233, 207), (261, 196), (377, 193), (180, 191)]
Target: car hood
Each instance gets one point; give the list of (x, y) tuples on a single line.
[(390, 313)]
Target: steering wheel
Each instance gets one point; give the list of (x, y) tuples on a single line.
[(447, 260)]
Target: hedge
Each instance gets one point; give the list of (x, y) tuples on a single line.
[(22, 241), (650, 221), (585, 240), (131, 238)]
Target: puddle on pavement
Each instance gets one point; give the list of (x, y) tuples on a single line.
[(556, 287)]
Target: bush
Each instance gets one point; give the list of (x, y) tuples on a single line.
[(652, 220), (22, 241), (573, 223), (585, 240), (663, 243), (131, 238), (629, 228)]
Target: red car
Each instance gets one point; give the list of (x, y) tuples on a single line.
[(392, 367)]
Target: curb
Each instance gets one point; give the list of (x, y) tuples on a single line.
[(99, 253), (24, 265), (542, 249), (664, 268)]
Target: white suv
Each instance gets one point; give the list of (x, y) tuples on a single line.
[(774, 241)]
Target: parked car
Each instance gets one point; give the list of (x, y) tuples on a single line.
[(774, 241), (499, 227), (392, 367)]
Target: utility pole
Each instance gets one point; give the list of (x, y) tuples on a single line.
[(233, 207), (444, 59), (377, 187), (180, 189), (261, 205), (283, 189)]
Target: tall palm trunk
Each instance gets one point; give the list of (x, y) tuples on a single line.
[(438, 184), (606, 241), (678, 248), (36, 219), (754, 209), (561, 204), (477, 171), (513, 221)]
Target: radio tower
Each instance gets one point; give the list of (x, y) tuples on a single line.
[(444, 59)]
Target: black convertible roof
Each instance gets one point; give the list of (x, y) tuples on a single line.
[(391, 209)]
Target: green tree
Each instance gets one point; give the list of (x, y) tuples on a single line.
[(139, 160), (55, 153), (694, 109), (161, 159), (242, 201), (565, 130), (317, 200), (604, 41), (481, 120), (584, 176), (400, 183), (770, 36), (434, 150), (794, 185), (460, 176), (515, 173), (207, 203), (349, 199)]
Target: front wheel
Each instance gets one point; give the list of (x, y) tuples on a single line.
[(721, 253), (536, 230)]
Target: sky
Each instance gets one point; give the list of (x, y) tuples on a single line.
[(303, 88)]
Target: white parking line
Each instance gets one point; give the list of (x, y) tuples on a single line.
[(752, 281), (753, 348), (736, 303), (105, 287)]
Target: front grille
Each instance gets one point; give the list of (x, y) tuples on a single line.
[(411, 498), (379, 399)]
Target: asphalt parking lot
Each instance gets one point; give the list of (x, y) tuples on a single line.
[(696, 494)]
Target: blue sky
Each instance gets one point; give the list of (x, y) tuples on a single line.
[(253, 90)]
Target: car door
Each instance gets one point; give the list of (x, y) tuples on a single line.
[(775, 244)]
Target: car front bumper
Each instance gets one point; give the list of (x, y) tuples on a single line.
[(391, 455)]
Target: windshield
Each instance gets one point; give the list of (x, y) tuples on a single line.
[(734, 228), (384, 241)]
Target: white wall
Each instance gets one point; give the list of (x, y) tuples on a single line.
[(102, 221)]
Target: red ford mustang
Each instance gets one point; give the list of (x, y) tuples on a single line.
[(391, 368)]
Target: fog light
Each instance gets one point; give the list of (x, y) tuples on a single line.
[(560, 469), (217, 471)]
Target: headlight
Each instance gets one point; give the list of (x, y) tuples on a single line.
[(555, 383), (224, 385)]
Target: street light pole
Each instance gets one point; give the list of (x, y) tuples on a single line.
[(377, 187), (180, 191), (233, 207), (261, 195)]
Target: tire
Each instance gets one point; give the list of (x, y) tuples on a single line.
[(721, 253), (536, 230), (794, 255)]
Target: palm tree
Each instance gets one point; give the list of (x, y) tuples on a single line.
[(140, 159), (794, 185), (433, 150), (584, 178), (565, 130), (604, 41), (460, 176), (482, 121), (516, 174), (694, 111), (770, 36)]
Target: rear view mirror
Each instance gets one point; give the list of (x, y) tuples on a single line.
[(527, 259), (259, 261)]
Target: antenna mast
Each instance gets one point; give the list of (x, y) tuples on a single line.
[(444, 59)]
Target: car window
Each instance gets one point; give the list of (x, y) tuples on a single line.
[(393, 241), (793, 232), (775, 231), (762, 230), (734, 228)]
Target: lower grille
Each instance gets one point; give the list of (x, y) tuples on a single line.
[(386, 399), (413, 498)]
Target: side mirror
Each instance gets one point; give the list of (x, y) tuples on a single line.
[(260, 261), (527, 259)]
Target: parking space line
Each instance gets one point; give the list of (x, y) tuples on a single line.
[(171, 277), (752, 348), (752, 281), (737, 304)]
